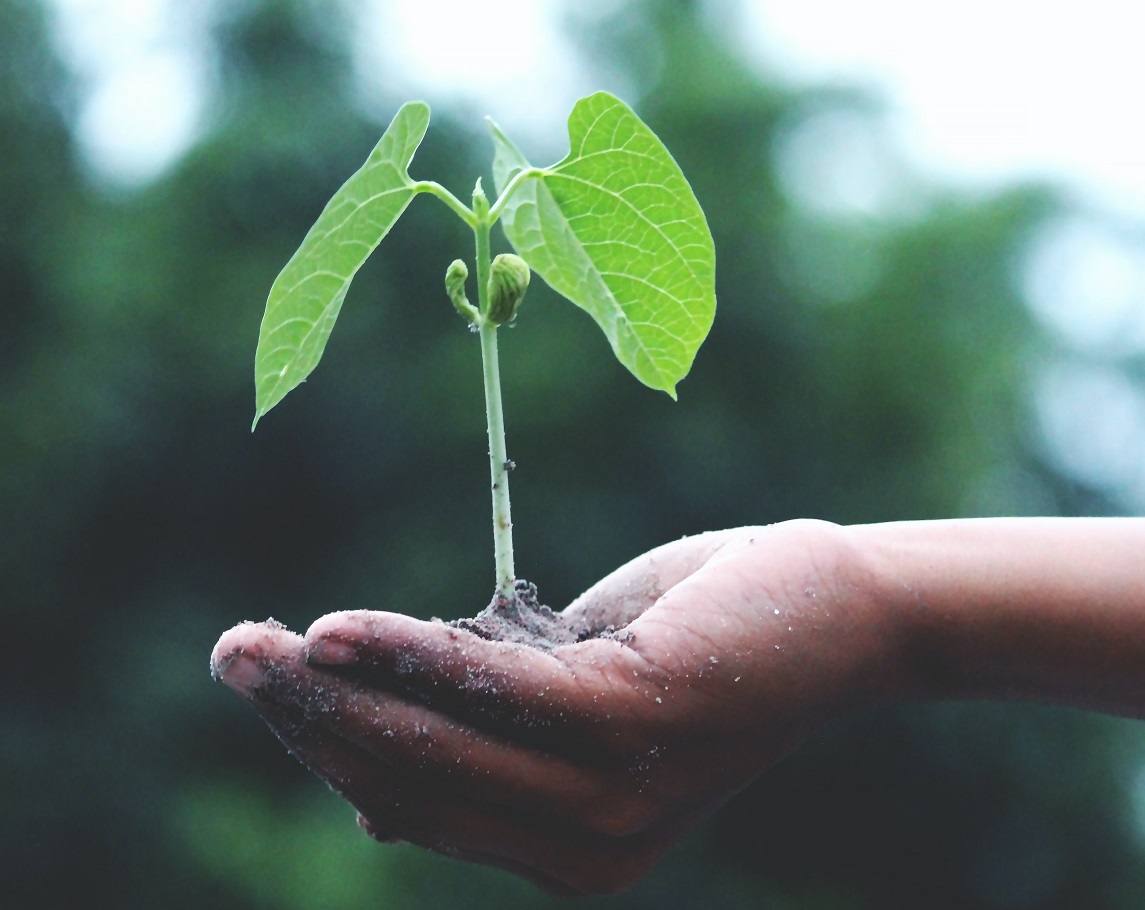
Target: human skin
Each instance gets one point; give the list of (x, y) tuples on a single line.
[(578, 768)]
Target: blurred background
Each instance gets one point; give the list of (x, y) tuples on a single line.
[(907, 329)]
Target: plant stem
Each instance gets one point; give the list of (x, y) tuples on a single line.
[(498, 464), (518, 178), (456, 205), (498, 456)]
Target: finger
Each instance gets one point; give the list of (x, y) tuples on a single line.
[(581, 697), (244, 655), (572, 866), (557, 855), (423, 745), (266, 664), (263, 662)]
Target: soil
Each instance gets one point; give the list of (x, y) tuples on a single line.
[(524, 620)]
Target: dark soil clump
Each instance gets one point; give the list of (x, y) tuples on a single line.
[(524, 620)]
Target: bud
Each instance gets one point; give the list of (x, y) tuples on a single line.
[(508, 281), (455, 277)]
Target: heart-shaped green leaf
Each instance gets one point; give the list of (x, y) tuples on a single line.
[(616, 229), (307, 295)]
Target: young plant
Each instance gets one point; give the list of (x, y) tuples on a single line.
[(614, 227)]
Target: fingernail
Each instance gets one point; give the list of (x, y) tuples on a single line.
[(326, 651), (241, 673)]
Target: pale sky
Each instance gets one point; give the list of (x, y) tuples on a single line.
[(986, 89), (981, 90)]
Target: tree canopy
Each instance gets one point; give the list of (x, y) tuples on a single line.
[(860, 368)]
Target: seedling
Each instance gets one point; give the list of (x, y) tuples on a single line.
[(614, 227)]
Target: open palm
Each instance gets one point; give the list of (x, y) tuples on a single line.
[(577, 768)]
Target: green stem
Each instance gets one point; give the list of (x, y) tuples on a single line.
[(498, 464), (503, 200), (458, 207), (498, 455)]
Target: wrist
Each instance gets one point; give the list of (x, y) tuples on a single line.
[(876, 622), (913, 665), (848, 628), (1041, 609)]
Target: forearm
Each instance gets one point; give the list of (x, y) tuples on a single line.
[(1046, 610)]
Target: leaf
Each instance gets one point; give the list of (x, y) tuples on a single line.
[(307, 295), (616, 229)]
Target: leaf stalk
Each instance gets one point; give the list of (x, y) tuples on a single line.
[(510, 188), (452, 202)]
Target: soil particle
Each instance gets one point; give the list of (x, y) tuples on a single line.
[(524, 620)]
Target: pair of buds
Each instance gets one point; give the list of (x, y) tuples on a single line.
[(508, 281)]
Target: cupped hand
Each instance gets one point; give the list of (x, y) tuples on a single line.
[(578, 768)]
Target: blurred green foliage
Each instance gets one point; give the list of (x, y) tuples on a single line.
[(860, 369)]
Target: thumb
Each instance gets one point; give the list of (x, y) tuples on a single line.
[(622, 596)]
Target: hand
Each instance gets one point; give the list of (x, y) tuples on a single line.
[(578, 768)]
